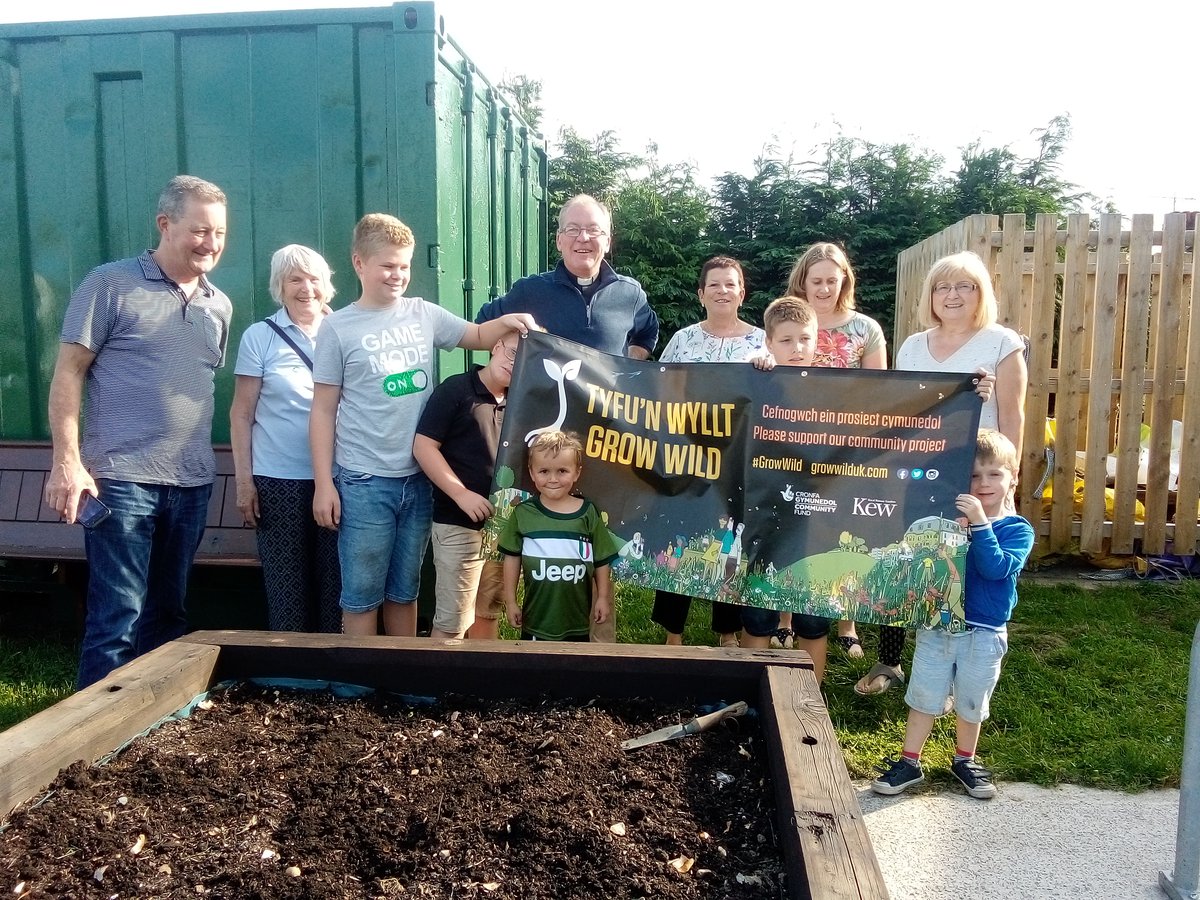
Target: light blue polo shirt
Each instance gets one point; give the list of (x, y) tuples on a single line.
[(279, 439)]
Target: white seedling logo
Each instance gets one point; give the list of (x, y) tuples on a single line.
[(560, 377)]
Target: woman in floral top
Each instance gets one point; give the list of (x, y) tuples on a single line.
[(721, 337), (846, 339)]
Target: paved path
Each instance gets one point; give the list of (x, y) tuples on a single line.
[(1028, 842)]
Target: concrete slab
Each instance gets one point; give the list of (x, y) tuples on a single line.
[(1028, 842)]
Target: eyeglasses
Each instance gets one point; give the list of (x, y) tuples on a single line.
[(574, 231), (963, 289), (511, 351)]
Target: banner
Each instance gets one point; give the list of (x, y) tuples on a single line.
[(822, 491)]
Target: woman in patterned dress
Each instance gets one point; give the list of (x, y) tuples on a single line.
[(721, 337), (846, 339)]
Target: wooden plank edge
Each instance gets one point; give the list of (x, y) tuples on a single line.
[(95, 721), (819, 815), (424, 667)]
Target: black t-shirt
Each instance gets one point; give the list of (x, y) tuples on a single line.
[(465, 418)]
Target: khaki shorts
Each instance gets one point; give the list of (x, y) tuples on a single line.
[(468, 587)]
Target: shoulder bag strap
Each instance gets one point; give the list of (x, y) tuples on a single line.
[(283, 334)]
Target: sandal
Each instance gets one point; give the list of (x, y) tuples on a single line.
[(852, 645), (879, 680), (783, 639)]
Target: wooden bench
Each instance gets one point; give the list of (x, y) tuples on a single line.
[(29, 530)]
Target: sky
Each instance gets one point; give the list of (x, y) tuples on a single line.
[(718, 83)]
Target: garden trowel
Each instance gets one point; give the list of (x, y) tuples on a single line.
[(695, 726)]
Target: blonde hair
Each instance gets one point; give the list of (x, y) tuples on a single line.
[(950, 269), (788, 309), (377, 231), (815, 254), (298, 258), (553, 443), (993, 446)]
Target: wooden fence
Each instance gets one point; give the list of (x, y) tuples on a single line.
[(1108, 313)]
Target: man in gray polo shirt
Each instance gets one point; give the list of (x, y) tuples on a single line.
[(145, 336)]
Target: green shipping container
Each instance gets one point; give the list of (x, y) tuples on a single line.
[(306, 119)]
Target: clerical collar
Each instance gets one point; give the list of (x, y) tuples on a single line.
[(584, 282)]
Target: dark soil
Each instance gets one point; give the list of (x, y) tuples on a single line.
[(278, 793)]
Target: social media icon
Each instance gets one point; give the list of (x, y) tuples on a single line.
[(932, 474), (902, 474), (918, 474)]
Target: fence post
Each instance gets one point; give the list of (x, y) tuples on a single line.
[(1183, 884)]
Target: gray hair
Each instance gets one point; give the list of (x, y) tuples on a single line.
[(296, 257), (585, 200), (182, 188)]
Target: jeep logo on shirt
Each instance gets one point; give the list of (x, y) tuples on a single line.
[(403, 383), (573, 574)]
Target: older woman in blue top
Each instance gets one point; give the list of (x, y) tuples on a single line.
[(268, 425)]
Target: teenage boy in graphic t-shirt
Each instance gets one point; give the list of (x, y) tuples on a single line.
[(372, 374)]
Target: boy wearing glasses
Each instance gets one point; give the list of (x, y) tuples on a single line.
[(456, 444), (583, 299)]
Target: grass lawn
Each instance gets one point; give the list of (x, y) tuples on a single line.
[(1093, 691)]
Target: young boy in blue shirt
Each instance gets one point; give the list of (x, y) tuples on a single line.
[(967, 664)]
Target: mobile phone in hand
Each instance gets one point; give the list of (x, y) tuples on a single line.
[(92, 512)]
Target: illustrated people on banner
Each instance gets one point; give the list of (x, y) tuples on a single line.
[(558, 543), (456, 443), (958, 311), (583, 299), (846, 339), (965, 668), (145, 336), (373, 374), (268, 429)]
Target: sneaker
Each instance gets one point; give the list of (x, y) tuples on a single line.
[(899, 775), (975, 778)]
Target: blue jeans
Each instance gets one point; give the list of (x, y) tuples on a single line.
[(382, 537), (138, 564)]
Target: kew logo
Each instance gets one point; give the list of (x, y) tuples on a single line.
[(875, 509)]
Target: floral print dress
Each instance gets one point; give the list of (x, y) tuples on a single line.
[(843, 347)]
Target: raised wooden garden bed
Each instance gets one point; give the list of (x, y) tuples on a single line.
[(826, 849)]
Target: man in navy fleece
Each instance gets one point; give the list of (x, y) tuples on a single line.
[(582, 298)]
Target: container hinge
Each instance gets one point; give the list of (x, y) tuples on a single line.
[(435, 252), (430, 93), (468, 285)]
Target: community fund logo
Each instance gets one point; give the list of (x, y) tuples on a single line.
[(806, 503)]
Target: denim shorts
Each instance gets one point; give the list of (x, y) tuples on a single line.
[(968, 662), (382, 537), (760, 622), (810, 628)]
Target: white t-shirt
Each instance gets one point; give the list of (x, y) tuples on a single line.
[(986, 348)]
